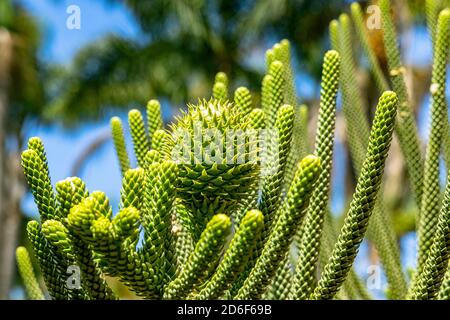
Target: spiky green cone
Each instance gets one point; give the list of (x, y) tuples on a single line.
[(439, 119), (132, 192), (217, 168), (52, 266), (291, 215), (40, 185), (206, 251), (243, 100), (102, 204), (275, 92), (363, 201), (235, 257), (119, 144), (405, 123), (107, 247), (26, 271), (154, 118), (426, 287), (312, 231), (141, 141), (85, 212)]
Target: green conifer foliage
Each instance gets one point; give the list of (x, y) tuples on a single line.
[(27, 273), (220, 88), (211, 241), (50, 263), (226, 202), (141, 141), (154, 118), (363, 36), (428, 282), (312, 231), (357, 219), (291, 215), (236, 255), (243, 100), (212, 178), (380, 230), (405, 124), (119, 144), (275, 91), (431, 190)]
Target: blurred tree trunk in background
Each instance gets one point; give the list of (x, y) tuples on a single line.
[(8, 219), (21, 97)]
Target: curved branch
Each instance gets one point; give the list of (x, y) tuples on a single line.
[(88, 151)]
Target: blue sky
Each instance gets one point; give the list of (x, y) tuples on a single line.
[(98, 18), (60, 45)]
